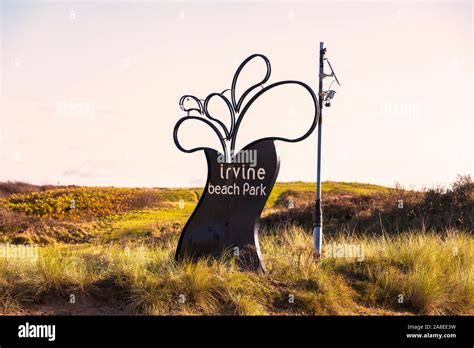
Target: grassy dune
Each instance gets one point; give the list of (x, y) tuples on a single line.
[(412, 273), (119, 259), (32, 214)]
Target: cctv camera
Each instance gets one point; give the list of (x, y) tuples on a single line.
[(330, 94)]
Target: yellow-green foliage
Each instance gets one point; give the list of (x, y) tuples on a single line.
[(88, 201), (188, 195), (327, 186), (139, 223), (93, 202), (139, 218), (434, 274)]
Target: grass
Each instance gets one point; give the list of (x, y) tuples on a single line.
[(415, 260), (327, 186), (31, 214), (432, 272), (141, 223), (425, 273), (391, 210), (78, 203), (81, 203), (93, 202)]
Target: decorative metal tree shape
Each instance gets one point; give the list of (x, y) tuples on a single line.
[(225, 220)]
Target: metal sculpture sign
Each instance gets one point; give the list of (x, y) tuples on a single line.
[(225, 220)]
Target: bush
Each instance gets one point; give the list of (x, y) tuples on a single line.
[(394, 211), (82, 202)]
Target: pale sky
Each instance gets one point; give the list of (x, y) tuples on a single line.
[(402, 114)]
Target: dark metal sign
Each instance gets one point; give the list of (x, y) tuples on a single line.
[(225, 220)]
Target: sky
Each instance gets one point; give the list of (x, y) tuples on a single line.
[(90, 90)]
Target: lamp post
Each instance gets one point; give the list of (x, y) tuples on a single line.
[(324, 100), (318, 213)]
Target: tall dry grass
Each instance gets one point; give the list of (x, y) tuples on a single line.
[(427, 273), (433, 273)]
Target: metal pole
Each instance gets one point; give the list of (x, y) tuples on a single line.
[(318, 214)]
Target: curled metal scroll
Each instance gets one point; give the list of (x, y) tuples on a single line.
[(238, 104), (237, 109), (229, 131), (214, 128)]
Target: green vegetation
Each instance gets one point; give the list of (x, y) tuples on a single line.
[(189, 195), (92, 202), (388, 211), (433, 274), (76, 203), (327, 186), (139, 223), (116, 249), (43, 214)]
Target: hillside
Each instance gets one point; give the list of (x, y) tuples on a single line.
[(113, 249)]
